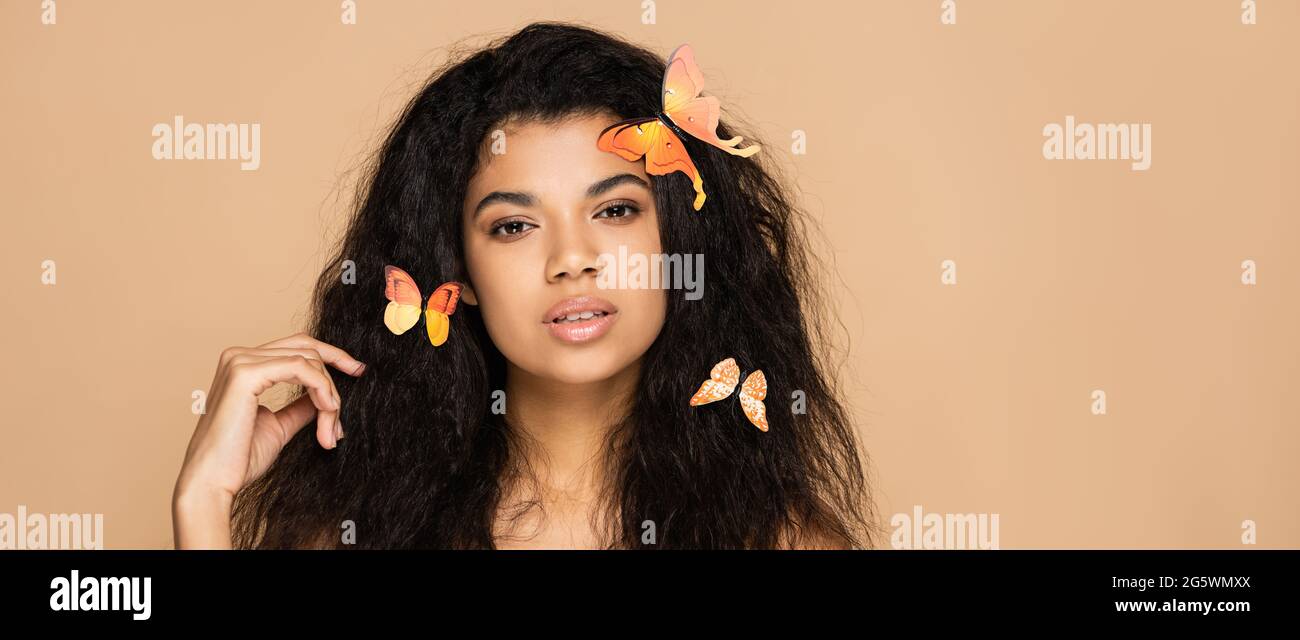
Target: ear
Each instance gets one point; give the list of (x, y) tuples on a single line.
[(467, 295)]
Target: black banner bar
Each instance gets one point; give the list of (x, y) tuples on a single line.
[(1222, 588)]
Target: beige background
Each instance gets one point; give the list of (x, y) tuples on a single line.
[(924, 144)]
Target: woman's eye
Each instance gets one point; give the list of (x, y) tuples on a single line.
[(620, 210), (510, 228)]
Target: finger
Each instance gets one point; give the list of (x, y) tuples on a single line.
[(256, 374), (336, 357), (294, 416), (226, 354), (337, 423), (223, 363), (310, 354), (312, 349), (313, 358), (291, 368), (337, 426)]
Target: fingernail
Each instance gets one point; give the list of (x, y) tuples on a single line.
[(361, 367), (341, 433)]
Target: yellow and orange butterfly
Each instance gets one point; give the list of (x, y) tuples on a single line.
[(404, 300), (684, 112), (722, 381)]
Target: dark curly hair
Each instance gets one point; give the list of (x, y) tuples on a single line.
[(425, 462)]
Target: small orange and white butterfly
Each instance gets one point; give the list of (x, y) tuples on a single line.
[(722, 381), (404, 300)]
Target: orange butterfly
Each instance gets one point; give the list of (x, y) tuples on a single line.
[(722, 381), (404, 300), (684, 111)]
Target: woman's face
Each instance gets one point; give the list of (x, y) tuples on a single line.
[(538, 218)]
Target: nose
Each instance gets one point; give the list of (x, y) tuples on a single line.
[(572, 255)]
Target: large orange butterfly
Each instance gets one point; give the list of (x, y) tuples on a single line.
[(684, 112), (722, 381), (404, 300)]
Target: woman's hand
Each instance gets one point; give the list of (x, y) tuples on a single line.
[(236, 438)]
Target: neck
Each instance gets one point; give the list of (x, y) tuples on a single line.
[(567, 426)]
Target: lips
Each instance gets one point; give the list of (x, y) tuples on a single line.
[(580, 319)]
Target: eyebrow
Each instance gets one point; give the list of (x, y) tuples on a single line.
[(525, 199)]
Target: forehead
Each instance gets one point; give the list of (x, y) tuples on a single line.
[(559, 158)]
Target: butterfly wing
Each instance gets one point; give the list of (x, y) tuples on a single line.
[(403, 309), (722, 381), (694, 114), (699, 118), (445, 298), (441, 305), (663, 151), (751, 399), (627, 138), (683, 81)]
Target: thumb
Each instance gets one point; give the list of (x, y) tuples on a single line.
[(295, 416)]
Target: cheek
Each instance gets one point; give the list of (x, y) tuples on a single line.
[(496, 282), (506, 299), (653, 301), (647, 237), (648, 309)]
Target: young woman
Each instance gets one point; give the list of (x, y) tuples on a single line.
[(557, 413)]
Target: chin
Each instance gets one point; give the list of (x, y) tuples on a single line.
[(583, 365)]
